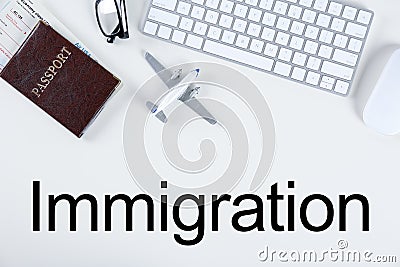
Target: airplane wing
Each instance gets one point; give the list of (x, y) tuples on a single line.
[(197, 107), (168, 77)]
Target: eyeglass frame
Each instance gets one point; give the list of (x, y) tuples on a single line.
[(119, 30)]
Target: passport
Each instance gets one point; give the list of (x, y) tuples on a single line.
[(60, 79)]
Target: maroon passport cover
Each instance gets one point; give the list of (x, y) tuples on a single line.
[(59, 78)]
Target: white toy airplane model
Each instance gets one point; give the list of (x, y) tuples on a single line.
[(181, 89)]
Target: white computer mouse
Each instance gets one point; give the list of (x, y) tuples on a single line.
[(382, 112)]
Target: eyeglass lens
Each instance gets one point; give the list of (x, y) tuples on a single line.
[(108, 16)]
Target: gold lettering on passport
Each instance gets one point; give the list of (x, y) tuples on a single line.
[(51, 72)]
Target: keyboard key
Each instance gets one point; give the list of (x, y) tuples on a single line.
[(280, 7), (269, 19), (311, 47), (198, 12), (194, 41), (241, 56), (186, 24), (167, 4), (323, 20), (226, 6), (266, 4), (299, 59), (240, 10), (282, 69), (256, 46), (355, 45), (326, 36), (321, 5), (285, 54), (298, 74), (296, 43), (311, 32), (211, 17), (342, 87), (212, 3), (150, 28), (313, 63), (327, 82), (268, 34), (340, 40), (164, 32), (239, 25), (282, 38), (252, 2), (254, 30), (356, 30), (297, 28), (242, 41), (309, 16), (364, 17), (283, 24), (178, 37), (226, 21), (325, 51), (163, 17), (335, 8), (271, 50), (214, 33), (183, 8), (200, 28), (307, 3), (338, 24), (349, 13), (313, 78), (295, 12), (228, 37), (337, 70), (255, 15), (345, 57)]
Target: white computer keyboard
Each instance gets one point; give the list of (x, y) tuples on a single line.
[(314, 42)]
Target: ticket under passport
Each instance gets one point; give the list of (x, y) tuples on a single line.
[(18, 18)]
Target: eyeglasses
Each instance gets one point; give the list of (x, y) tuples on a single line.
[(112, 19)]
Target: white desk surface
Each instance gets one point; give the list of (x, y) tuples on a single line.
[(322, 144)]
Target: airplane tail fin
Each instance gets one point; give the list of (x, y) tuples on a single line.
[(151, 106), (160, 115)]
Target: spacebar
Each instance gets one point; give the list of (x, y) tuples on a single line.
[(238, 55)]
